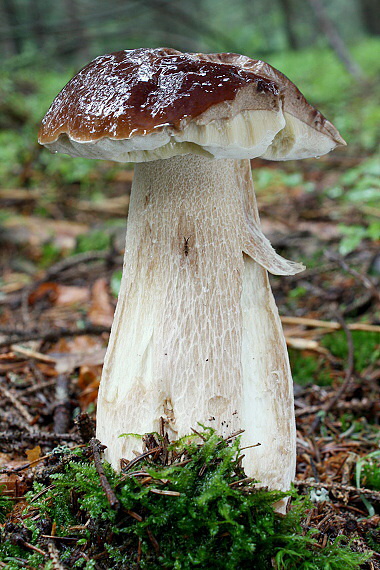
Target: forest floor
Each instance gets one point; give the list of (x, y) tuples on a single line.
[(61, 247)]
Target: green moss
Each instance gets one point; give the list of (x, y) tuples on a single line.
[(366, 347), (5, 504), (368, 471), (307, 369), (209, 519), (97, 240)]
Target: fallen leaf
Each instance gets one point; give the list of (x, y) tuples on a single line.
[(34, 231), (69, 295), (102, 310), (88, 381), (33, 454), (59, 294), (13, 484), (46, 290), (83, 350), (66, 363)]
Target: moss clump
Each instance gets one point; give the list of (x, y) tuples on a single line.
[(366, 347), (5, 504), (185, 505)]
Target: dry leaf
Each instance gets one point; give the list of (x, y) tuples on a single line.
[(101, 311), (13, 484), (88, 381), (33, 454), (33, 231), (68, 295), (79, 351), (59, 294)]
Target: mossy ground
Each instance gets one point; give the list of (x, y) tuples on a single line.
[(185, 505)]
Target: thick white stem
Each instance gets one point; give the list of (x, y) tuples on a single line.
[(196, 336)]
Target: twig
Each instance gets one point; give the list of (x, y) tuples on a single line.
[(11, 437), (362, 278), (153, 540), (233, 435), (31, 463), (165, 492), (38, 387), (140, 457), (17, 539), (353, 405), (19, 406), (54, 556), (28, 353), (52, 336), (315, 323), (74, 260), (373, 495), (23, 467), (62, 407), (97, 447), (349, 372)]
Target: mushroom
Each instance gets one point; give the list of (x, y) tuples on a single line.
[(196, 336)]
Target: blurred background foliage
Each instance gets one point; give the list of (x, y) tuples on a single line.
[(74, 31), (330, 49)]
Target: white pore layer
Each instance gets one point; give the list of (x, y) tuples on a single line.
[(246, 135), (298, 140)]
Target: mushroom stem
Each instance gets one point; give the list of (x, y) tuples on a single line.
[(196, 335)]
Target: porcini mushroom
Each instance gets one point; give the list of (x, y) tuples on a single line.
[(196, 335)]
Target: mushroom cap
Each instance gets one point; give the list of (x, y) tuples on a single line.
[(146, 104)]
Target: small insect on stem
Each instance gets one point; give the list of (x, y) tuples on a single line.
[(186, 246)]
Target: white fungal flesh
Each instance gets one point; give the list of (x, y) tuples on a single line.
[(246, 135), (196, 335), (298, 140)]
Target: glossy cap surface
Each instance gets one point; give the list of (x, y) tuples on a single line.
[(146, 104)]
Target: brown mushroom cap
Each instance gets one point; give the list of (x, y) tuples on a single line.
[(161, 102), (135, 92)]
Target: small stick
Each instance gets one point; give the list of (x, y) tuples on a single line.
[(62, 408), (31, 463), (39, 387), (97, 447), (9, 437), (235, 434), (17, 404), (164, 492), (362, 278), (245, 480), (198, 434), (250, 446), (134, 515), (316, 323), (52, 336), (140, 457), (28, 353), (19, 541), (352, 405), (54, 537), (153, 540), (373, 495)]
